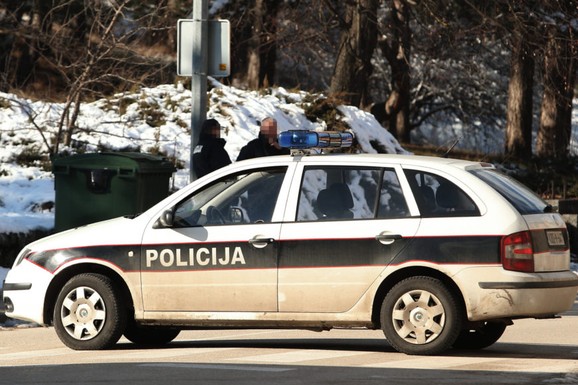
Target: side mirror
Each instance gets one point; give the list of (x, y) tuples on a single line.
[(236, 215), (166, 220)]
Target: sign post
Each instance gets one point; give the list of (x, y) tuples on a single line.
[(199, 75), (202, 49)]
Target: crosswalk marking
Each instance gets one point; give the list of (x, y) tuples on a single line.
[(158, 354), (530, 365), (34, 354), (299, 356), (235, 358), (219, 367)]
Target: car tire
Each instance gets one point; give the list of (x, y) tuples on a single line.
[(421, 316), (149, 336), (88, 314), (481, 337)]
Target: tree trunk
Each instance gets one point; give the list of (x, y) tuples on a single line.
[(520, 92), (559, 78), (353, 63), (254, 55), (268, 48), (397, 52)]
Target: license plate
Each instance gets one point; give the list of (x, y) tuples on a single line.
[(555, 238)]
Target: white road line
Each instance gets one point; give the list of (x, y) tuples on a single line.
[(157, 354), (298, 356), (533, 365), (219, 367), (438, 363), (35, 354)]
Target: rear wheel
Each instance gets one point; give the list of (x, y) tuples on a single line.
[(88, 314), (420, 315), (481, 337)]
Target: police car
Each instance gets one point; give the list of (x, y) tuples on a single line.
[(436, 252)]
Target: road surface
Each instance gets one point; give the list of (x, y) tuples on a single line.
[(530, 352)]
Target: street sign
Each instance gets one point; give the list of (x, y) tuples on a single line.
[(219, 47)]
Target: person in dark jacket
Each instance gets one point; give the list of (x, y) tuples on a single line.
[(265, 144), (209, 153)]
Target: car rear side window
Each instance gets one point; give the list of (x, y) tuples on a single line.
[(340, 193), (521, 197), (438, 197)]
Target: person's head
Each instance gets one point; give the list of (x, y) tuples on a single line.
[(269, 130), (211, 128)]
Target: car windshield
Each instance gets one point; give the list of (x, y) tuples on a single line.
[(520, 196)]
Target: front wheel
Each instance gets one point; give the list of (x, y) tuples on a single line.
[(420, 315), (88, 314)]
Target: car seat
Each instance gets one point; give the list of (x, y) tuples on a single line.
[(426, 200), (447, 196), (335, 202)]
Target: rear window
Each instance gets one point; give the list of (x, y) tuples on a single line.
[(438, 197), (520, 196)]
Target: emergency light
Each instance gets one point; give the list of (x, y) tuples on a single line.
[(302, 139)]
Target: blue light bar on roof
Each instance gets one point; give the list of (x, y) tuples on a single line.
[(301, 139)]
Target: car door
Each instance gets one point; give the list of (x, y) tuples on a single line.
[(349, 224), (220, 251)]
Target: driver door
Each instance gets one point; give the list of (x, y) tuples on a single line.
[(220, 254)]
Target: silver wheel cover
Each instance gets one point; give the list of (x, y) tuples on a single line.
[(83, 313), (418, 317)]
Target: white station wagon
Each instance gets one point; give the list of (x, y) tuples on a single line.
[(436, 252)]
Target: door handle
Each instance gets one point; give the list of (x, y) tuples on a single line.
[(387, 238), (260, 242)]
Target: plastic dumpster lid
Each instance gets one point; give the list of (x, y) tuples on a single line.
[(137, 161)]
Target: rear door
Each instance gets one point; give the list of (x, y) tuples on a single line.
[(346, 225)]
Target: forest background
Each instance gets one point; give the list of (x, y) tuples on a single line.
[(503, 70)]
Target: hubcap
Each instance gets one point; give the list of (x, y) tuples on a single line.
[(418, 317), (83, 313)]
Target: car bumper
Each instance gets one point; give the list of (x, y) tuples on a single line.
[(494, 293), (24, 291)]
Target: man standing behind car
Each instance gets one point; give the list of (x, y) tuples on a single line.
[(265, 144), (210, 154)]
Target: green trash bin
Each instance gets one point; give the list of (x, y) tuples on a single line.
[(98, 186)]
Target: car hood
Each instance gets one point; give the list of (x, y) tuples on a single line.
[(117, 231)]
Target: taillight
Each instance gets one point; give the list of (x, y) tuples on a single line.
[(517, 252)]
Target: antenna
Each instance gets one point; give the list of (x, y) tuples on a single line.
[(447, 153)]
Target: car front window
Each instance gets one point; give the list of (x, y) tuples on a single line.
[(248, 197)]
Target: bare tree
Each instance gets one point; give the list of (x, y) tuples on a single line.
[(537, 29), (80, 51), (262, 52), (103, 27), (520, 90), (560, 65), (353, 66), (395, 45)]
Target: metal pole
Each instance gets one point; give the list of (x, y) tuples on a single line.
[(199, 78)]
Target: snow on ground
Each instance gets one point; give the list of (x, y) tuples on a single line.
[(153, 119)]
